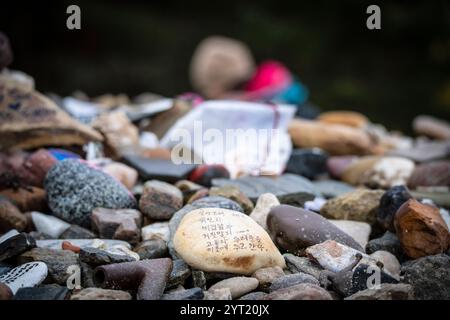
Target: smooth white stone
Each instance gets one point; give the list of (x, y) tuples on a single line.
[(49, 225)]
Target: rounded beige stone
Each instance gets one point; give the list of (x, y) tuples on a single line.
[(222, 240)]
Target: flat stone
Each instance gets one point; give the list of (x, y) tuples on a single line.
[(160, 200), (332, 188), (180, 272), (37, 121), (43, 292), (152, 249), (238, 286), (105, 244), (156, 230), (100, 294), (388, 242), (265, 202), (266, 276), (386, 291), (160, 169), (57, 261), (424, 151), (294, 229), (15, 245), (25, 275), (431, 174), (218, 294), (49, 225), (11, 217), (302, 291), (288, 188), (189, 294), (336, 139), (390, 262), (379, 172), (421, 229), (334, 256), (390, 202), (74, 190), (309, 163), (302, 264), (244, 247), (121, 224), (233, 193), (431, 127), (359, 205), (429, 276), (360, 231), (292, 280), (77, 232), (256, 295), (97, 257)]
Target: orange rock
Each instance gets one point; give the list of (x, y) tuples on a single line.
[(347, 118), (336, 139), (66, 245), (157, 153), (421, 229)]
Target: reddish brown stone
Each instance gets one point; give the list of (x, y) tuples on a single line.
[(11, 217), (421, 229), (431, 174), (30, 199)]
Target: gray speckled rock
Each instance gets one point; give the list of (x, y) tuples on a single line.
[(429, 276), (75, 188)]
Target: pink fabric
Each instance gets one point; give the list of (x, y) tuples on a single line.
[(270, 77)]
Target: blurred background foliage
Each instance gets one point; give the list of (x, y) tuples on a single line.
[(131, 47)]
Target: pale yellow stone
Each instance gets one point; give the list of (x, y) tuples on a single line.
[(222, 240)]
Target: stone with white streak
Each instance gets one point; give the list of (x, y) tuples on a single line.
[(334, 256)]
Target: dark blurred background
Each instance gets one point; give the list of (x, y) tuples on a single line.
[(131, 47)]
